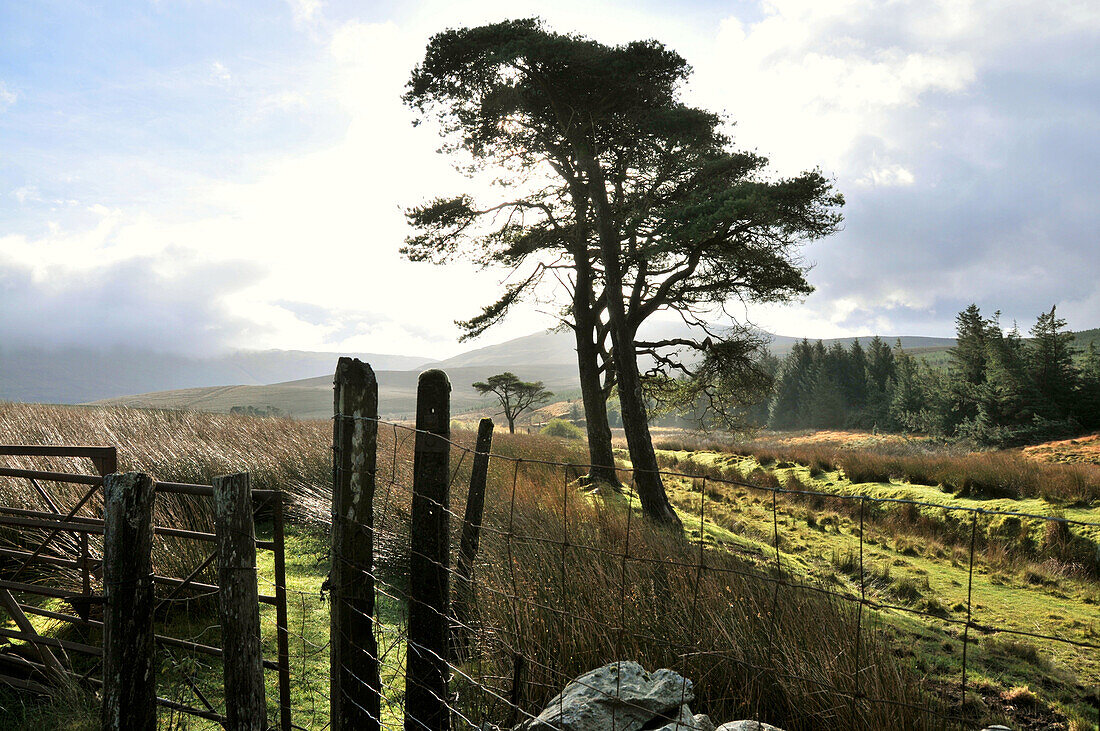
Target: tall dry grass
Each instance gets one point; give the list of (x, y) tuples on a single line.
[(552, 581), (1006, 473), (554, 588), (173, 446)]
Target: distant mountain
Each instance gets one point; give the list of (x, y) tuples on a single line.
[(311, 398), (559, 348), (78, 375), (548, 347), (296, 382), (782, 344)]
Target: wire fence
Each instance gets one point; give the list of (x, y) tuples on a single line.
[(569, 577)]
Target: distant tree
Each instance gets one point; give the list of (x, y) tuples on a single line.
[(1010, 396), (969, 355), (855, 377), (881, 372), (880, 365), (1088, 389), (792, 386), (969, 362), (515, 396), (1051, 362)]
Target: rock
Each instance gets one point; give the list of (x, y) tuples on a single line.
[(747, 726), (619, 695), (685, 721), (997, 727)]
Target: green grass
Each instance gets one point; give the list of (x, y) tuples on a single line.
[(902, 658), (308, 615), (819, 542)]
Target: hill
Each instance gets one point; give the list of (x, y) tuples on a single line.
[(77, 375), (311, 398)]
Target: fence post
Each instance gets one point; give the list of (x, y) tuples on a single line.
[(129, 679), (356, 689), (471, 533), (429, 561), (238, 604)]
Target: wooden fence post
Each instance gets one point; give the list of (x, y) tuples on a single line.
[(426, 660), (471, 534), (129, 679), (238, 604), (356, 687)]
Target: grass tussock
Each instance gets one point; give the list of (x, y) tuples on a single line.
[(1009, 473), (553, 587), (172, 446), (986, 474)]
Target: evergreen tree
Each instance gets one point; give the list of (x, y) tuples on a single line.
[(792, 386), (855, 379), (907, 396), (968, 365), (881, 371), (1007, 400), (1088, 389), (1051, 364)]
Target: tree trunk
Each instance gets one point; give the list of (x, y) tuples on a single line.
[(647, 478), (511, 424), (601, 456)]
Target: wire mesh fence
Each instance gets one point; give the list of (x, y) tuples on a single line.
[(569, 576)]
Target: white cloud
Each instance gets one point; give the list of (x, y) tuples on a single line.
[(807, 81), (305, 11), (26, 193), (220, 73), (885, 176), (857, 87), (7, 97)]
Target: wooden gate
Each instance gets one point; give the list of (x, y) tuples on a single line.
[(52, 555)]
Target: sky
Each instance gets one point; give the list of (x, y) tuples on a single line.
[(198, 176)]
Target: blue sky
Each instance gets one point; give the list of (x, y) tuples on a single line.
[(199, 175)]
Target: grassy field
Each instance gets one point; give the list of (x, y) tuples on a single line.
[(1026, 577), (555, 587)]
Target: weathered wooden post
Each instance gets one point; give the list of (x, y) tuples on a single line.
[(471, 534), (129, 673), (426, 661), (356, 690), (238, 603)]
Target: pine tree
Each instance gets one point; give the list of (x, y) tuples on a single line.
[(969, 362), (1051, 363), (881, 371), (907, 396), (855, 379), (1088, 389), (794, 380)]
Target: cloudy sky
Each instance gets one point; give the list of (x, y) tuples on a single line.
[(197, 175)]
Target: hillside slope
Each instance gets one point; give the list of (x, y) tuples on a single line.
[(311, 398), (76, 375)]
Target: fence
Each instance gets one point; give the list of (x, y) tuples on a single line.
[(552, 581), (126, 608)]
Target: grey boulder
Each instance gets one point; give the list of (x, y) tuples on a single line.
[(619, 695), (747, 726), (685, 721)]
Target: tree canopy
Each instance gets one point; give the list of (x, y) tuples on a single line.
[(631, 200)]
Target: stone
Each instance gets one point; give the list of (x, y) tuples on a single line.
[(747, 726), (619, 695), (686, 721)]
